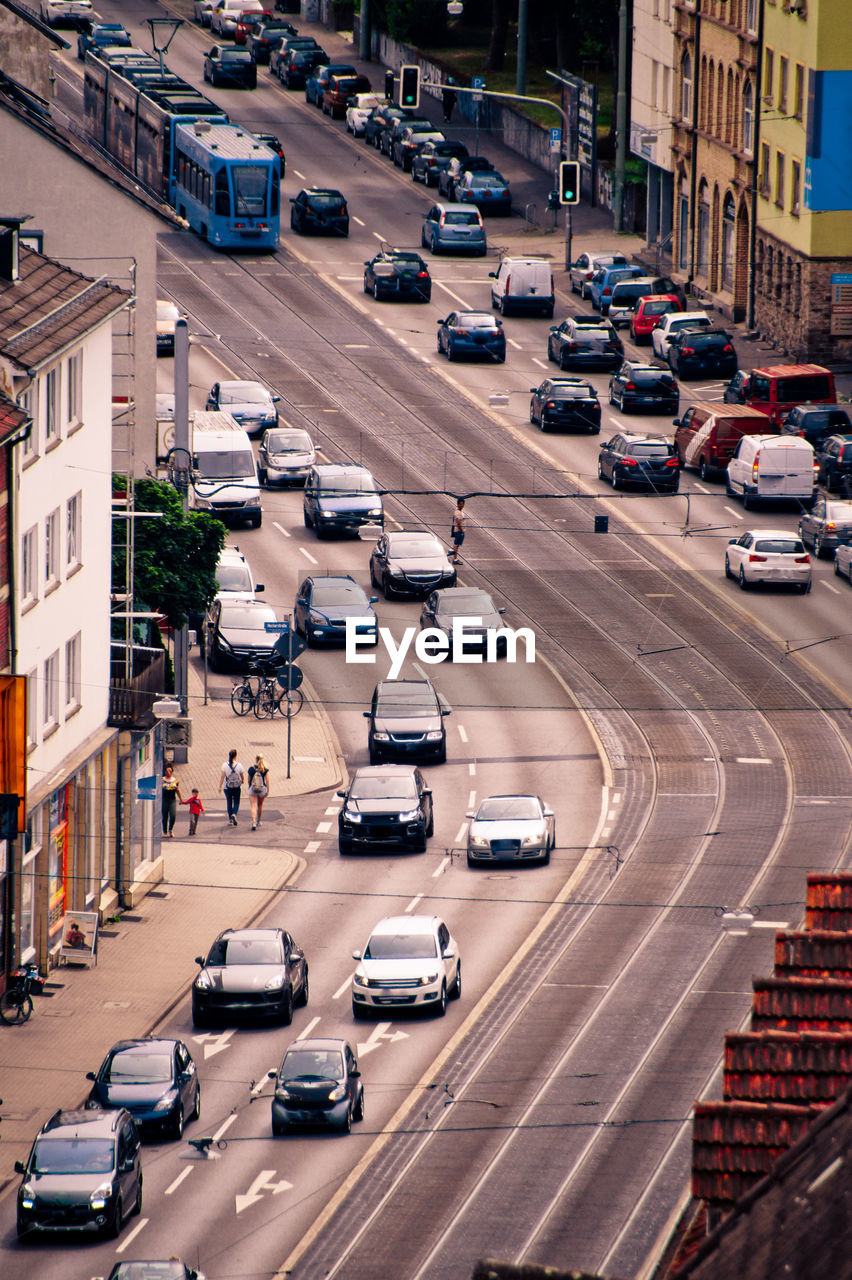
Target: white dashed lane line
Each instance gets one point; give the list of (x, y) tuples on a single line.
[(311, 846), (284, 533), (323, 828), (413, 903), (462, 733), (308, 555), (441, 868), (340, 990)]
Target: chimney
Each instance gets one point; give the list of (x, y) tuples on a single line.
[(10, 229)]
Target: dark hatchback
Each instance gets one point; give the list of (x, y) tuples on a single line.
[(295, 65), (380, 119), (233, 68), (406, 722), (274, 143), (467, 608), (566, 402), (827, 525), (834, 460), (262, 38), (645, 461), (702, 353), (579, 343), (156, 1080), (318, 1086), (324, 604), (644, 386), (430, 160), (471, 333), (816, 422), (318, 81), (385, 805), (256, 973), (394, 273), (322, 210)]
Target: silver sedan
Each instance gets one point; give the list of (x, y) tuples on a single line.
[(510, 829)]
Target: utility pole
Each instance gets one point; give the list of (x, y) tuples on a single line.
[(181, 637), (521, 78), (620, 120), (364, 42)]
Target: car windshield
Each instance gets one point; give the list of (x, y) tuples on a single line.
[(407, 702), (475, 320), (232, 951), (339, 594), (487, 180), (398, 786), (838, 511), (613, 276), (347, 85), (589, 334), (348, 484), (170, 1270), (651, 449), (325, 199), (688, 322), (226, 464), (407, 946), (73, 1155), (701, 341), (424, 550), (569, 392), (235, 55), (405, 261), (508, 808), (250, 183), (312, 1064), (780, 546), (461, 219), (243, 393), (449, 149), (289, 442), (244, 617), (233, 577), (473, 604), (649, 376), (660, 308), (139, 1068)]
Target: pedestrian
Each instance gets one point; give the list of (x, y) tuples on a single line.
[(457, 531), (195, 808), (231, 783), (449, 98), (171, 795), (258, 778)]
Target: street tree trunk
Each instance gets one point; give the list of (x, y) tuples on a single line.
[(496, 56)]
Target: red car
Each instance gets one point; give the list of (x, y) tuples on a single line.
[(646, 317), (250, 21)]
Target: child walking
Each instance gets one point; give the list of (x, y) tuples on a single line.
[(195, 808)]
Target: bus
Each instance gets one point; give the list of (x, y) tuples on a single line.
[(225, 184)]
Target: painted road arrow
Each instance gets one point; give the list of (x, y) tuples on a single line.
[(378, 1037), (259, 1187), (214, 1044)]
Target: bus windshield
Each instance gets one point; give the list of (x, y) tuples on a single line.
[(250, 183)]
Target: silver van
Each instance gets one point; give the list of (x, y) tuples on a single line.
[(523, 284), (772, 467), (456, 228)]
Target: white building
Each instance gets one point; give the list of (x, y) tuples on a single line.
[(652, 85)]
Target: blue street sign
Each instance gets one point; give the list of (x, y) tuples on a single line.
[(555, 139), (476, 84), (277, 628)]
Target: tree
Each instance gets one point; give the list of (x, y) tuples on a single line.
[(500, 14), (174, 565)]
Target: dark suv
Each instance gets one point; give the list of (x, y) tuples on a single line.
[(406, 720), (340, 499), (702, 353), (834, 459), (816, 422), (648, 461), (82, 1174), (385, 804)]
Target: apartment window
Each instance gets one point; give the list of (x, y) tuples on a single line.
[(768, 75), (779, 179), (32, 708), (783, 76), (686, 87), (29, 565), (795, 185), (653, 83), (51, 412), (748, 117), (51, 548), (29, 403), (664, 89), (72, 671), (75, 388), (798, 91), (764, 169), (73, 529), (50, 693), (751, 15)]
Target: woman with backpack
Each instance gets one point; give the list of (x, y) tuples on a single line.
[(231, 783), (258, 776)]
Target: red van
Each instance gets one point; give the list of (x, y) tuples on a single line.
[(708, 433), (777, 388)]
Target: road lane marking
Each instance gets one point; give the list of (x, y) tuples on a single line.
[(178, 1180), (381, 1034), (226, 1124), (128, 1239), (829, 587), (311, 846), (701, 488), (300, 175), (736, 514), (323, 828), (333, 811), (513, 343), (214, 1043), (358, 220), (462, 733), (445, 862), (257, 1188), (340, 990), (471, 768), (460, 833), (542, 364), (471, 799), (281, 530), (308, 555), (306, 1031), (466, 306), (752, 760), (413, 903)]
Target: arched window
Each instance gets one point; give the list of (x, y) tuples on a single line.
[(702, 248), (705, 101), (748, 117), (728, 243), (719, 126), (727, 127), (686, 87)]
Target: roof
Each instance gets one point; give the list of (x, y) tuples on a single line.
[(801, 1004), (803, 1068), (49, 308), (812, 953), (790, 370), (828, 904), (734, 1144), (721, 410), (11, 418)]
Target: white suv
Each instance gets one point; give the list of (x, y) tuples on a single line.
[(408, 962), (673, 322)]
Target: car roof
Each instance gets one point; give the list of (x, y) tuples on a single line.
[(404, 684), (773, 533), (321, 191), (384, 771), (458, 593), (483, 315), (515, 795), (335, 579), (410, 535), (642, 365), (241, 605), (324, 469), (319, 1043), (242, 382), (93, 1122), (406, 924), (639, 437), (250, 933), (130, 1046)]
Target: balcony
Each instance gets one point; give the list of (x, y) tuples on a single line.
[(135, 685)]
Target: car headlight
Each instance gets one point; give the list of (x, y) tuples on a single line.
[(479, 842), (352, 816), (316, 618), (338, 1094), (27, 1196), (409, 815), (361, 979), (285, 1095), (253, 501), (428, 979), (100, 1196), (167, 1101), (202, 504), (202, 982), (275, 982), (327, 515), (374, 511), (434, 735), (380, 736), (535, 838)]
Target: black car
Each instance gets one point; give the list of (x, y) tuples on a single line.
[(386, 804), (410, 563), (397, 273), (319, 209), (261, 39), (83, 1174), (317, 82), (274, 143), (816, 422), (283, 45), (647, 461), (406, 720), (252, 972), (585, 343), (826, 525), (100, 35), (388, 136), (430, 159), (471, 333), (318, 1085), (380, 119), (295, 65), (323, 605), (236, 635), (834, 459), (470, 614), (341, 499), (155, 1080), (230, 66), (702, 353), (566, 402), (644, 386)]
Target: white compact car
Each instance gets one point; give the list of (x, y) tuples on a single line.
[(409, 962), (768, 555), (359, 108)]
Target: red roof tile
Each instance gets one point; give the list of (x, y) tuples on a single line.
[(805, 1068), (11, 417), (801, 1004), (828, 904), (814, 953), (735, 1144)]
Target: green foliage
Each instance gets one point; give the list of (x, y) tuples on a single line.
[(415, 22), (175, 557)]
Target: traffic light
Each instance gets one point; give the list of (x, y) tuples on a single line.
[(409, 87), (569, 182), (389, 85)]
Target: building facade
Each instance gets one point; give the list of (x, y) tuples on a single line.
[(653, 62)]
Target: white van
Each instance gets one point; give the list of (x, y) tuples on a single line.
[(767, 467), (523, 284), (224, 472)]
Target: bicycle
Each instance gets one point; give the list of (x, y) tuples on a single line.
[(270, 698), (243, 695), (16, 1003)]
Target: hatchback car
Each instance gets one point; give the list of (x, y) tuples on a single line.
[(816, 422), (453, 172), (510, 829), (380, 119), (322, 210), (295, 65), (489, 191), (385, 805), (231, 67), (341, 499), (83, 1174), (409, 139), (578, 344), (471, 333), (581, 271), (60, 13), (318, 1085), (843, 562), (250, 972), (431, 158), (317, 82), (468, 617), (409, 962), (262, 37), (705, 353), (285, 456), (768, 555), (324, 606), (646, 461), (236, 637), (283, 45), (339, 92), (565, 402), (826, 525), (834, 460), (389, 135), (96, 36), (358, 110), (203, 11), (599, 288), (406, 722), (644, 386), (155, 1080), (408, 563), (453, 228), (248, 403), (274, 143), (647, 315), (395, 273)]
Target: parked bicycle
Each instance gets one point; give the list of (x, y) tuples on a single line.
[(16, 1003), (260, 692)]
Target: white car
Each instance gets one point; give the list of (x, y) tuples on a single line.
[(203, 11), (510, 829), (227, 13), (768, 555), (673, 322), (408, 962), (843, 561), (356, 113), (57, 12)]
